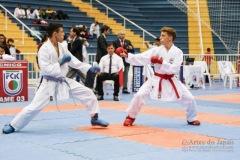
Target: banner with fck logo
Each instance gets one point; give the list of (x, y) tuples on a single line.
[(13, 81)]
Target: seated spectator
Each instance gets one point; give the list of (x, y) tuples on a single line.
[(41, 13), (32, 14), (4, 44), (61, 15), (50, 14), (83, 31), (12, 48), (4, 56), (19, 12), (94, 30), (110, 66), (29, 12), (156, 43), (35, 32)]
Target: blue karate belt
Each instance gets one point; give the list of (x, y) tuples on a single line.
[(59, 80)]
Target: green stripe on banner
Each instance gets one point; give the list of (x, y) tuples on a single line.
[(15, 85)]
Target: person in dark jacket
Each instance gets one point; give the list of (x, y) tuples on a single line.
[(128, 47), (75, 47), (102, 43)]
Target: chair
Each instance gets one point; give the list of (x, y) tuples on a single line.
[(204, 69), (108, 87), (227, 70)]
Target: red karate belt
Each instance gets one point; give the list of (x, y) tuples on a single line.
[(167, 77)]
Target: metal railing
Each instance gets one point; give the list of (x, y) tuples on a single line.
[(34, 73), (7, 12), (124, 20)]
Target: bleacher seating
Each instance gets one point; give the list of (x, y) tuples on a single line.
[(152, 15), (76, 17)]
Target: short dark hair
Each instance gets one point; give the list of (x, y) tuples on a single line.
[(53, 27), (157, 39), (104, 28), (110, 44), (76, 30), (10, 40), (208, 49)]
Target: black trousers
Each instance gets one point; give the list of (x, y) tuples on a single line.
[(105, 76)]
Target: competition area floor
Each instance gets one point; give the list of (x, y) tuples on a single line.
[(160, 131)]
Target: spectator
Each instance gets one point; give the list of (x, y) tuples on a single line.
[(61, 15), (102, 43), (12, 48), (128, 47), (83, 31), (19, 12), (4, 44), (29, 12), (110, 65), (156, 43), (94, 30), (35, 32), (50, 14), (4, 56), (208, 57), (41, 13), (32, 14), (75, 47)]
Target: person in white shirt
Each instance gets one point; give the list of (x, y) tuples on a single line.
[(84, 50), (19, 12), (162, 86), (4, 56), (32, 14), (94, 30), (110, 65), (155, 44)]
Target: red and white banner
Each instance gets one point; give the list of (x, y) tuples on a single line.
[(13, 81)]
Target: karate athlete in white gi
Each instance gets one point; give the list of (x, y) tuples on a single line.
[(52, 58), (162, 86)]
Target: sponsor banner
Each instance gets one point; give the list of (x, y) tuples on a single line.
[(13, 81), (137, 78)]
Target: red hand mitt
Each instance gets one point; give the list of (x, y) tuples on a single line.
[(120, 50)]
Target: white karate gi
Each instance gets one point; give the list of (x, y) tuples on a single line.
[(49, 64), (172, 61)]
